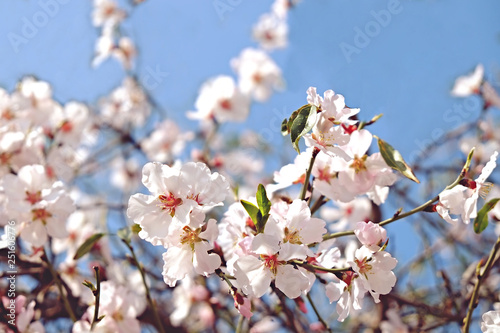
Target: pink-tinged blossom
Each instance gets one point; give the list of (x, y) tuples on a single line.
[(490, 322), (222, 100), (166, 142), (299, 227), (468, 84), (332, 107), (255, 272), (24, 319), (346, 215), (365, 174), (258, 74), (326, 170), (40, 205), (71, 124), (370, 235), (271, 32), (107, 13), (189, 249), (348, 294), (117, 304), (126, 106), (235, 226), (462, 200), (490, 95), (374, 271), (176, 191), (243, 305), (290, 174), (126, 174)]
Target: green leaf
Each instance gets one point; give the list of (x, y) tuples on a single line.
[(261, 222), (136, 228), (263, 201), (394, 159), (89, 285), (87, 245), (302, 123), (284, 127), (481, 220), (251, 209)]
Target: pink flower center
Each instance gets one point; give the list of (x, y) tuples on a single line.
[(292, 237), (66, 126), (325, 175), (348, 276), (271, 262), (225, 104), (169, 203), (33, 197), (358, 164), (364, 266), (190, 236), (40, 214)]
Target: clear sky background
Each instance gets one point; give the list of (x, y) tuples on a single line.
[(405, 71)]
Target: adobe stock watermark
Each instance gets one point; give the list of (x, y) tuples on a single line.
[(363, 37), (152, 78), (10, 233), (31, 25), (221, 7), (456, 116)]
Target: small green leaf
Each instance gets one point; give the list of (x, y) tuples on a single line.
[(302, 123), (87, 245), (136, 228), (89, 285), (251, 209), (394, 159), (481, 220), (284, 127), (263, 201), (261, 222)]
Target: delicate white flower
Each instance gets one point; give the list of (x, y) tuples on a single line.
[(291, 174), (106, 13), (258, 74), (126, 174), (166, 141), (41, 205), (176, 191), (125, 52), (255, 272), (299, 227), (491, 322), (71, 124), (347, 214), (221, 99), (468, 84), (348, 293), (189, 248), (271, 32), (462, 200), (126, 106), (363, 173), (375, 271), (117, 304)]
